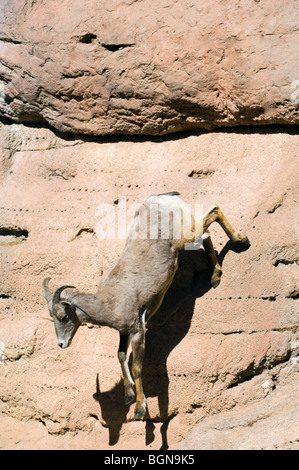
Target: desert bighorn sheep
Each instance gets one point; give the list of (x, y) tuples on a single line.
[(133, 290)]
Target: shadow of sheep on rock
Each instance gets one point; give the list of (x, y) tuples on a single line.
[(165, 331)]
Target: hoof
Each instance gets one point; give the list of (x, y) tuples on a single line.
[(129, 400), (216, 277), (243, 241), (140, 410), (139, 414), (215, 283)]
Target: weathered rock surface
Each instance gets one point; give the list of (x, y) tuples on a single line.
[(235, 345), (272, 424), (148, 67)]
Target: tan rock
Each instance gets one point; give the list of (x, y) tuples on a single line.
[(270, 425), (150, 67), (225, 347)]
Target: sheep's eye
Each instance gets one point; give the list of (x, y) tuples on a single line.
[(64, 319)]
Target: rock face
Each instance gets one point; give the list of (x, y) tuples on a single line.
[(221, 366), (235, 345), (148, 67), (274, 425)]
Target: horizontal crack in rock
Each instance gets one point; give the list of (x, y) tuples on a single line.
[(12, 236), (201, 173), (116, 47), (285, 261), (253, 370)]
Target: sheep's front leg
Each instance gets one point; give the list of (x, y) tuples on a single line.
[(122, 357), (138, 347)]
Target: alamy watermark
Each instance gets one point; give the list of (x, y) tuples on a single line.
[(149, 220)]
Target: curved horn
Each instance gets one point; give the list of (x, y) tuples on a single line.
[(46, 291), (57, 293)]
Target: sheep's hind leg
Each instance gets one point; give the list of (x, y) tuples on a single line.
[(122, 357), (214, 214), (215, 267)]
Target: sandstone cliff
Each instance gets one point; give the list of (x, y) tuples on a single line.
[(149, 67), (221, 348), (222, 371)]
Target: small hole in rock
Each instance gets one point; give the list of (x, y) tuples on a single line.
[(87, 38)]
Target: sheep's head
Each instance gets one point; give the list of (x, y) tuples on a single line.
[(63, 312)]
